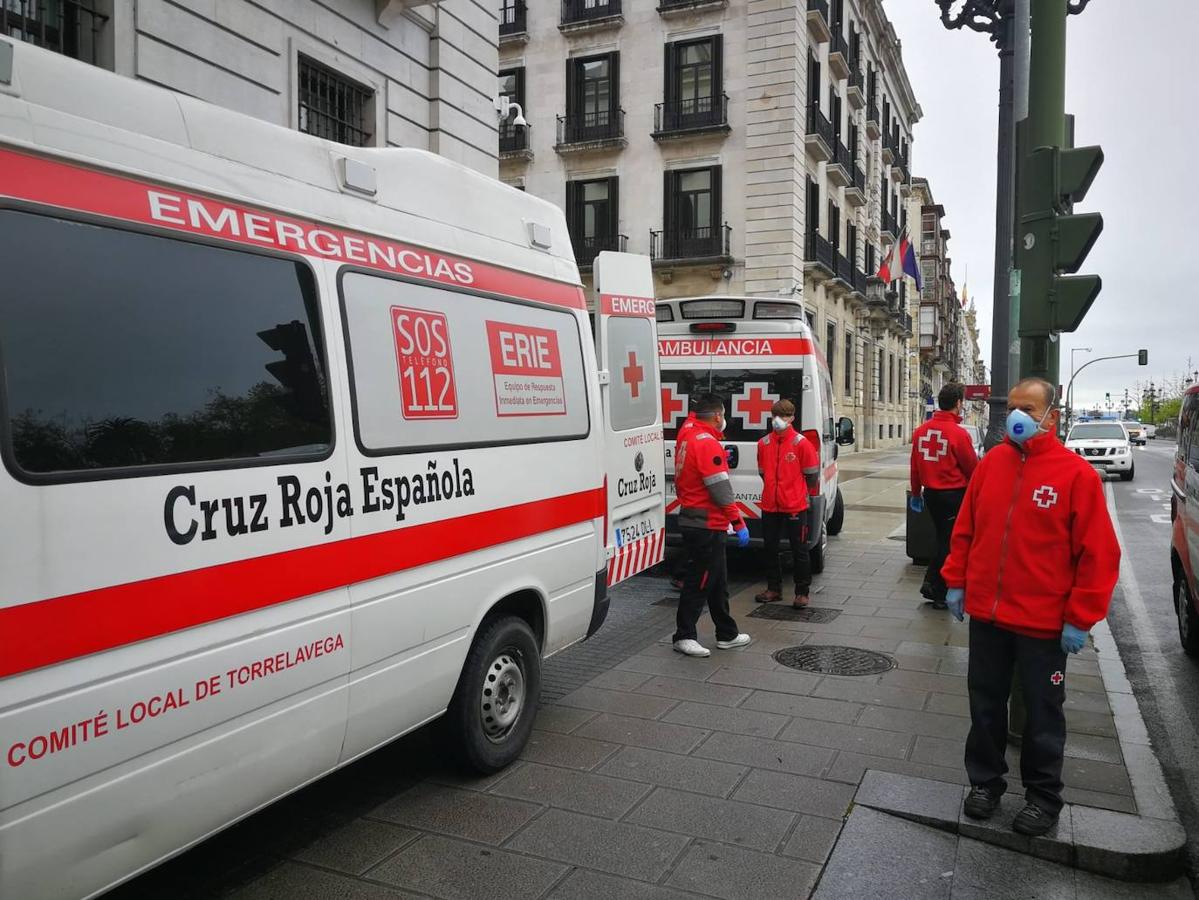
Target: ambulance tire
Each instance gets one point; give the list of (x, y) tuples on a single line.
[(833, 527), (1188, 622), (491, 715), (816, 557)]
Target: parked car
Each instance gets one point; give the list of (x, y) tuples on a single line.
[(1105, 445), (976, 438), (1184, 516), (1151, 432), (1136, 431)]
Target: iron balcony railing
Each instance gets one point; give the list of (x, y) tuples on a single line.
[(513, 138), (819, 6), (703, 242), (838, 44), (69, 27), (588, 248), (842, 156), (818, 124), (599, 125), (888, 223), (844, 269), (817, 249), (575, 12), (858, 176), (513, 17), (855, 74), (871, 110), (859, 282), (691, 113)]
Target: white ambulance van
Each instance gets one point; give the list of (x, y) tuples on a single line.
[(303, 446), (752, 352)]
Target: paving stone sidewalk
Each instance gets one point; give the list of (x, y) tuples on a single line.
[(654, 776)]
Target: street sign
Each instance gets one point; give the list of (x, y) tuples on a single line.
[(978, 392)]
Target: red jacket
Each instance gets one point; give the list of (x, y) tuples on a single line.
[(785, 460), (701, 481), (684, 430), (1033, 544), (943, 456)]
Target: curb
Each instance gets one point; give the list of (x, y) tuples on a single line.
[(1113, 844)]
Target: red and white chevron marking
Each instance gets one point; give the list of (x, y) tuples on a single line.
[(636, 557)]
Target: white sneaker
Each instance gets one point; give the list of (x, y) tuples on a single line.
[(741, 640), (691, 648)]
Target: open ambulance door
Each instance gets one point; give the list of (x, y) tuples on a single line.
[(626, 344)]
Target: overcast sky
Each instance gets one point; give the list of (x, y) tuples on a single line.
[(1132, 83)]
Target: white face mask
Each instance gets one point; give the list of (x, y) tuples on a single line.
[(780, 424)]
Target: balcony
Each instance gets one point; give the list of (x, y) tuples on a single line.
[(855, 93), (855, 191), (698, 245), (843, 271), (591, 131), (514, 142), (72, 28), (858, 285), (589, 15), (588, 248), (669, 8), (819, 138), (889, 150), (873, 128), (888, 229), (820, 259), (840, 165), (678, 119), (838, 55), (514, 23), (818, 21)]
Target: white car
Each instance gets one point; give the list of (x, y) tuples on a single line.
[(976, 438), (1151, 432), (1105, 445), (1136, 432)]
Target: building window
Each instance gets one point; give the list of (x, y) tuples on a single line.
[(70, 27), (692, 213), (870, 267), (881, 372), (592, 216), (512, 87), (513, 15), (811, 319), (891, 377), (849, 362), (830, 342), (834, 225), (694, 72), (891, 430), (880, 432), (592, 98), (851, 243), (333, 107)]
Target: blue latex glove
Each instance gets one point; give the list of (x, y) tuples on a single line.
[(917, 504), (742, 536), (1073, 639), (955, 599)]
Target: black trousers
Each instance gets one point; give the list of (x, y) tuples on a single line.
[(994, 654), (943, 506), (707, 581), (774, 525)]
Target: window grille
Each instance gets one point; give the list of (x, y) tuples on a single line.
[(333, 107)]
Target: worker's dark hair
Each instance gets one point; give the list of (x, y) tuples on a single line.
[(782, 408), (707, 405), (950, 396), (1047, 389)]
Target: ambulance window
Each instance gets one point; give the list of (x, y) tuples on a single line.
[(634, 397), (123, 351), (748, 395), (432, 368)]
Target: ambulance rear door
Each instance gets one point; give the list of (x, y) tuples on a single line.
[(627, 350)]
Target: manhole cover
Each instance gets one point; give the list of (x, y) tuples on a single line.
[(787, 613), (834, 660)]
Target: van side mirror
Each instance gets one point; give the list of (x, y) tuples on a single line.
[(845, 431)]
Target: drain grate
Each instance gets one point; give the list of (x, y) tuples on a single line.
[(828, 660), (785, 612)]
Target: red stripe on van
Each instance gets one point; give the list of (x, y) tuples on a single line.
[(62, 628), (670, 347), (73, 187)]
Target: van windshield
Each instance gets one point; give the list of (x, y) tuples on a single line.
[(748, 395), (1097, 431)]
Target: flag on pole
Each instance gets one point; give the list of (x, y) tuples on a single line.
[(899, 261)]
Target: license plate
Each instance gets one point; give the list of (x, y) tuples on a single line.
[(634, 529)]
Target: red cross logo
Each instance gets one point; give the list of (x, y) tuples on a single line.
[(1044, 496), (633, 375), (752, 406), (673, 404), (1056, 678), (925, 446)]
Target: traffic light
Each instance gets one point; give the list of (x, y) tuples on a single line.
[(1052, 241), (304, 395), (1142, 357)]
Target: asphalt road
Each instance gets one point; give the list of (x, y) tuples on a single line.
[(1165, 681)]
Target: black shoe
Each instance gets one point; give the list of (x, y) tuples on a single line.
[(1033, 821), (926, 591), (940, 604), (676, 583), (981, 803)]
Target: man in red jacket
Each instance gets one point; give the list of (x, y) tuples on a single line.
[(681, 562), (707, 509), (1034, 560), (790, 470), (943, 460)]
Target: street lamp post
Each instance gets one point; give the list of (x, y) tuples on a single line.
[(1070, 393)]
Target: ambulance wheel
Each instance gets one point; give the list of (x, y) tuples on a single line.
[(1127, 476), (816, 557), (495, 703), (838, 518), (1188, 622)]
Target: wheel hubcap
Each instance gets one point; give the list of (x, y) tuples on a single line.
[(503, 696)]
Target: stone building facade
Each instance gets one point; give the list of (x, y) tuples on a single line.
[(754, 147), (367, 72)]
